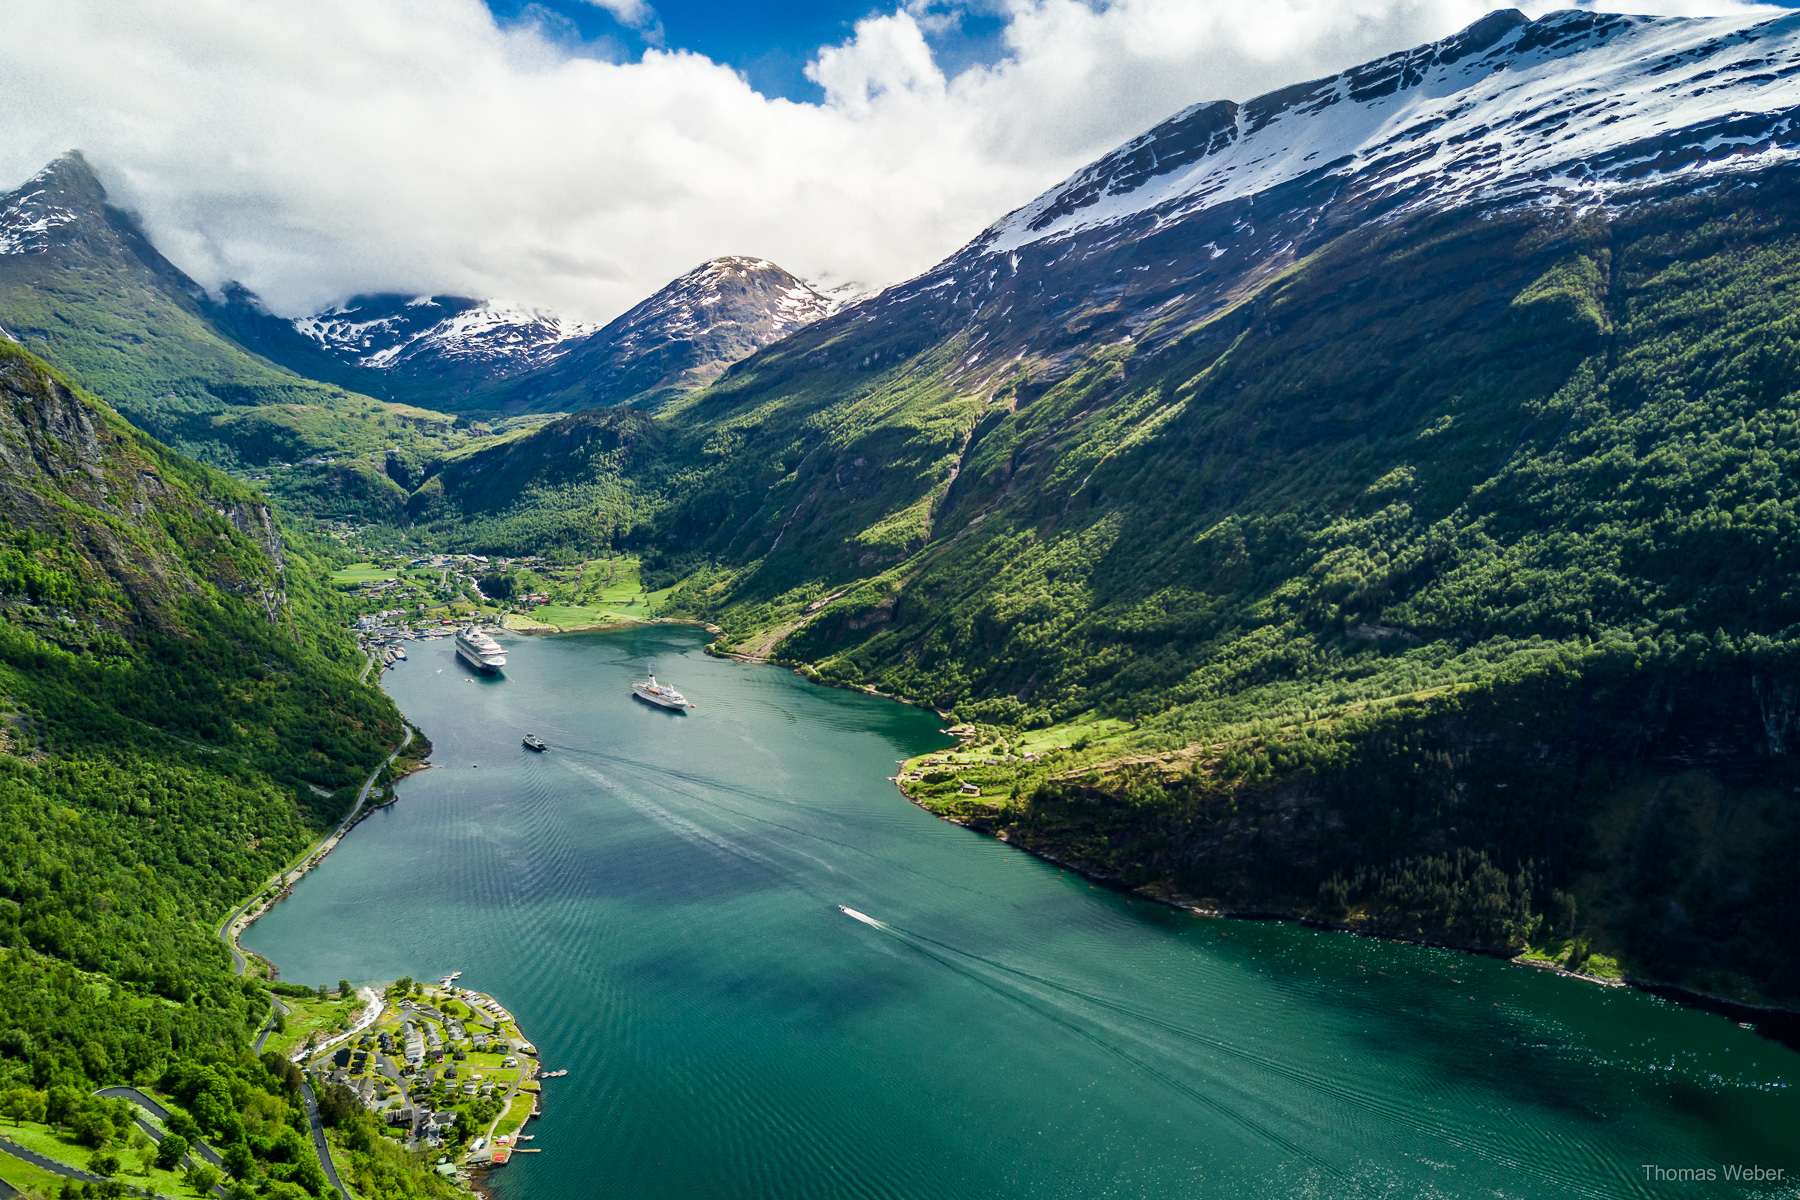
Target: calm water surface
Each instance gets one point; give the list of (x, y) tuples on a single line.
[(657, 899)]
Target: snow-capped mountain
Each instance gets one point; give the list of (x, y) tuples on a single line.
[(682, 337), (1578, 104), (395, 332), (1572, 110), (461, 354), (31, 215)]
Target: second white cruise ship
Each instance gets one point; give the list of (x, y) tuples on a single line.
[(479, 650), (660, 694)]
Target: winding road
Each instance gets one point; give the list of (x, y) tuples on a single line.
[(319, 1143), (228, 933), (155, 1109), (48, 1164)]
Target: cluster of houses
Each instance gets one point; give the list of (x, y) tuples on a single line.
[(426, 1051)]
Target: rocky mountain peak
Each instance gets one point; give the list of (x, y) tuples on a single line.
[(751, 294), (680, 338), (47, 209), (398, 332)]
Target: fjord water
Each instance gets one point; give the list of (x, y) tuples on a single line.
[(657, 900)]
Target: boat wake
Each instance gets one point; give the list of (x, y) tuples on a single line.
[(865, 918)]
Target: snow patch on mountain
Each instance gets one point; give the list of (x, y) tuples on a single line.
[(29, 216), (751, 296), (386, 332), (1578, 103)]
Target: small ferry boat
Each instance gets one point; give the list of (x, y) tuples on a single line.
[(534, 742), (480, 651), (660, 694)]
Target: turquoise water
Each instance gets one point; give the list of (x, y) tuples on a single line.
[(657, 899)]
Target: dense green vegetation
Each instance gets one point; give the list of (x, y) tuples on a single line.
[(580, 486), (181, 718), (1528, 478)]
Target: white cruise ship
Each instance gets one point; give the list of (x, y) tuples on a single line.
[(479, 650), (660, 694)]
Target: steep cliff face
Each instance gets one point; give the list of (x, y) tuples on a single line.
[(107, 532), (179, 719)]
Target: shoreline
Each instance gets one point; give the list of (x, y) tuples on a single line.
[(472, 1172), (1781, 1025), (259, 904)]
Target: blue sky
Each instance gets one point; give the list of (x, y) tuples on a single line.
[(769, 41)]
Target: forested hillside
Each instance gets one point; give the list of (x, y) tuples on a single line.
[(1435, 544), (181, 717), (1408, 474)]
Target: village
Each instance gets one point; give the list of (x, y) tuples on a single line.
[(400, 598), (444, 1067)]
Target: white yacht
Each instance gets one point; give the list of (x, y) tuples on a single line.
[(479, 650), (660, 694)]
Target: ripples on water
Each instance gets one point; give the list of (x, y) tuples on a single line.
[(657, 898)]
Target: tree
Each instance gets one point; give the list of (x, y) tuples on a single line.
[(324, 994), (202, 1177), (309, 1175), (104, 1163), (337, 1103), (91, 1125), (23, 1104), (239, 1162), (62, 1101), (344, 989), (142, 1149), (170, 1150)]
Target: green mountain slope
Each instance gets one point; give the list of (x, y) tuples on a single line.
[(179, 717), (1509, 494), (82, 286)]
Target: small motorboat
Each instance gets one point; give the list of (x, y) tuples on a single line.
[(534, 742)]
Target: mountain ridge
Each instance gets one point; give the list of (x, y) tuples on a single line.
[(1311, 487), (469, 355)]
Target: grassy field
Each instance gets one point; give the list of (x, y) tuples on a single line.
[(65, 1149), (602, 591), (23, 1176), (327, 1018), (513, 1119), (362, 573)]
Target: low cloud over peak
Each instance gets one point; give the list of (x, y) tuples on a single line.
[(342, 146)]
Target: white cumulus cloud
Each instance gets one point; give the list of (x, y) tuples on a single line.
[(319, 149)]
